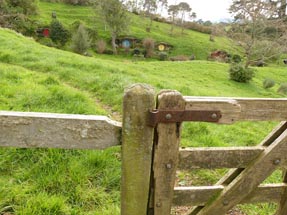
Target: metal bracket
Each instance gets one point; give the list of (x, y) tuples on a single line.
[(173, 116)]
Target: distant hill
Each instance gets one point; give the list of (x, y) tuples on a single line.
[(190, 43)]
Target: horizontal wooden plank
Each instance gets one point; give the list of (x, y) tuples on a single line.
[(217, 157), (199, 196), (43, 130), (241, 109)]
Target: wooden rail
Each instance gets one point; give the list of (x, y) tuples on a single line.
[(43, 130)]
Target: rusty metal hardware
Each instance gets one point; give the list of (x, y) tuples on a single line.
[(173, 116)]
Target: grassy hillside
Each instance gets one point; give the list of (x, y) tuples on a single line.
[(189, 43), (38, 78)]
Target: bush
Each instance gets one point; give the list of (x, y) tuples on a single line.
[(163, 56), (101, 46), (239, 73), (283, 88), (58, 33), (236, 58), (148, 44), (268, 83), (80, 40)]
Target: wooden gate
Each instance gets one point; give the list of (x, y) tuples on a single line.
[(150, 138), (152, 191)]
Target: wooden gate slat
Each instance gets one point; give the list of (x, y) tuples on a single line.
[(66, 131), (190, 196), (249, 178), (166, 153), (233, 173), (217, 157)]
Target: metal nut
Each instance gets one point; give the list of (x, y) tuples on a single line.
[(168, 116)]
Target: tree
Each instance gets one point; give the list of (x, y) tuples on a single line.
[(80, 40), (252, 19), (115, 16), (58, 33), (150, 7), (183, 9), (173, 11)]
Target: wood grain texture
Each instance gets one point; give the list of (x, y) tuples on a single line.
[(136, 149), (282, 208), (191, 196), (241, 109), (217, 157), (249, 178), (43, 130), (166, 153)]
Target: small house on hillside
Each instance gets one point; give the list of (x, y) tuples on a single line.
[(43, 32), (162, 46), (128, 42)]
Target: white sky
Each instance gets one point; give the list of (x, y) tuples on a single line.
[(213, 10)]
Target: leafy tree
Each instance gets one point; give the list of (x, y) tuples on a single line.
[(248, 31), (14, 15), (80, 40), (58, 33), (115, 16), (183, 9), (173, 11)]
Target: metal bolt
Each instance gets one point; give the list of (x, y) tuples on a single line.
[(277, 162), (158, 204), (214, 116), (168, 166), (225, 202), (168, 116)]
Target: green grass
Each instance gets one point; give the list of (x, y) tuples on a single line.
[(38, 78), (191, 42)]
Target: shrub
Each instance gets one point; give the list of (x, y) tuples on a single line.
[(268, 83), (283, 88), (148, 44), (101, 46), (239, 73), (236, 58), (80, 40), (58, 33), (163, 56)]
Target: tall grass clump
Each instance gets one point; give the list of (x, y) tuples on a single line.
[(282, 89), (268, 83)]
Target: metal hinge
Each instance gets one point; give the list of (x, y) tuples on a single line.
[(175, 116)]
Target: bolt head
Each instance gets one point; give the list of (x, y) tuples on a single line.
[(225, 202), (158, 204), (277, 161), (168, 116), (214, 116), (168, 166)]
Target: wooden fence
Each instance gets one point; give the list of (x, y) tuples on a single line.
[(150, 138)]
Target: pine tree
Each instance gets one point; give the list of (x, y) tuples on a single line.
[(80, 40)]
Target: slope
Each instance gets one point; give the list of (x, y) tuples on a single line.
[(39, 78), (191, 42)]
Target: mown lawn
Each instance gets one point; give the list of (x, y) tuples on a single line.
[(38, 78)]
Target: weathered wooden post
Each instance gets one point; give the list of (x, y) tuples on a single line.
[(137, 146), (166, 152)]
